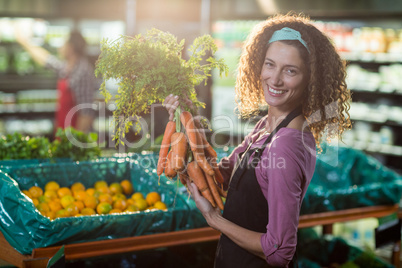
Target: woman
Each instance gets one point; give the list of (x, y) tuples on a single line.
[(76, 81), (293, 67)]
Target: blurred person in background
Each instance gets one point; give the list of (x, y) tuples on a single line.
[(76, 80)]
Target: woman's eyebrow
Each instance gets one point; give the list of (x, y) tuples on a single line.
[(286, 65)]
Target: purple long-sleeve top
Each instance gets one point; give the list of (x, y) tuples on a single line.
[(284, 173)]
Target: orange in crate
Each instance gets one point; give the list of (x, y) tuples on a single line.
[(141, 204), (61, 213), (80, 205), (99, 184), (80, 195), (91, 202), (152, 198), (54, 206), (35, 191), (64, 191), (137, 196), (90, 191), (50, 194), (52, 186), (105, 198), (115, 188), (119, 196), (66, 200), (103, 208), (103, 190), (88, 211), (78, 186), (127, 187), (115, 211), (120, 204), (72, 209)]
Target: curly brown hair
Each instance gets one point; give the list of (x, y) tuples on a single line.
[(327, 99)]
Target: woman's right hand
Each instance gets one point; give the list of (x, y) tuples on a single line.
[(171, 103)]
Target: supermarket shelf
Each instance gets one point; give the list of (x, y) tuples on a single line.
[(386, 149), (106, 247), (28, 114), (378, 120), (385, 91), (14, 83), (380, 58), (331, 217), (40, 256)]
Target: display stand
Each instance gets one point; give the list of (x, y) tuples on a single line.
[(40, 256)]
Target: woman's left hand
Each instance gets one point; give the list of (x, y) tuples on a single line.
[(207, 210)]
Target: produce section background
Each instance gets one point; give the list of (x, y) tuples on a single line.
[(368, 35)]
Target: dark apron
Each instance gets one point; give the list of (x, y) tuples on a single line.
[(65, 102), (246, 206)]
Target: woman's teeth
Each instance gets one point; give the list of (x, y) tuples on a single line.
[(276, 91)]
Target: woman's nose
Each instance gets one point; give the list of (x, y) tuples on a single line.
[(276, 77)]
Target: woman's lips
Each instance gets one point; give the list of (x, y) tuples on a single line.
[(276, 92)]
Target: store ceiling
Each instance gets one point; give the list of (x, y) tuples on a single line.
[(189, 10)]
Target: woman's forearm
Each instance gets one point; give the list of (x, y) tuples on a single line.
[(38, 54), (247, 239)]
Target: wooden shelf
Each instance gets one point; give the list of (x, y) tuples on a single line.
[(331, 217), (40, 256)]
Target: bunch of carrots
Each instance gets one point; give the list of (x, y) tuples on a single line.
[(190, 156)]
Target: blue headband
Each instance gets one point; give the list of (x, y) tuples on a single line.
[(287, 34)]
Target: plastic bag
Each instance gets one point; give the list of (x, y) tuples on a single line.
[(348, 178), (329, 251)]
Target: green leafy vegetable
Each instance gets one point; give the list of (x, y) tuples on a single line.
[(74, 144), (150, 67), (16, 146)]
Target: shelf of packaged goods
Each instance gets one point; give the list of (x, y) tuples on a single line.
[(377, 120), (385, 149), (385, 91), (380, 58), (40, 256), (28, 109)]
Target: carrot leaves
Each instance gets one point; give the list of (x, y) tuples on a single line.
[(150, 67)]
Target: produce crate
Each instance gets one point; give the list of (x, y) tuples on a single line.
[(314, 251), (26, 229), (346, 178)]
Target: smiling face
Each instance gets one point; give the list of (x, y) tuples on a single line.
[(284, 77)]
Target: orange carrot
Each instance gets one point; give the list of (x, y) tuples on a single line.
[(222, 192), (188, 122), (183, 178), (207, 147), (214, 191), (169, 171), (200, 156), (197, 176), (203, 163), (169, 130), (179, 150), (218, 175)]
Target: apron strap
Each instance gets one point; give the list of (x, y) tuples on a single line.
[(292, 115), (242, 162)]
